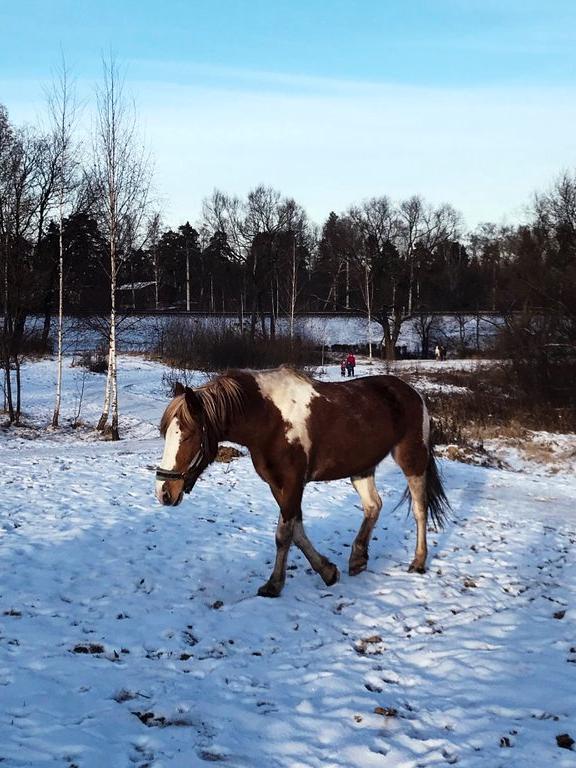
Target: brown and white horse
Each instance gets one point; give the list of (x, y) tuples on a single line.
[(297, 430)]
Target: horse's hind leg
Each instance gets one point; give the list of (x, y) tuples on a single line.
[(417, 486), (372, 504), (412, 458)]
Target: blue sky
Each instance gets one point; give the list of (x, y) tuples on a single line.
[(460, 100)]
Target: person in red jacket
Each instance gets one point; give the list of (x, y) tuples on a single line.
[(350, 364)]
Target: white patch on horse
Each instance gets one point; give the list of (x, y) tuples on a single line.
[(171, 445), (425, 420), (425, 424), (292, 395)]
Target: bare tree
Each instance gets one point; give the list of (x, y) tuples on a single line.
[(26, 186), (225, 213), (153, 237), (376, 224), (255, 229), (465, 336), (120, 181), (423, 225), (426, 325), (63, 111), (490, 244), (556, 208)]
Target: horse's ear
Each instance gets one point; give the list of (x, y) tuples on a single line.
[(179, 389), (193, 401)]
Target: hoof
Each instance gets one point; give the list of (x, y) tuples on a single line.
[(416, 567), (270, 590), (330, 575), (357, 566)]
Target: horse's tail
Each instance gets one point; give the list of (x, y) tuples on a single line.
[(438, 504), (437, 501)]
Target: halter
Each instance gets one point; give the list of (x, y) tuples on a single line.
[(188, 475)]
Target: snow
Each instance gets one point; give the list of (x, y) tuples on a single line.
[(136, 286), (545, 453), (131, 634)]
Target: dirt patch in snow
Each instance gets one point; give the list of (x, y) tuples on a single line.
[(226, 454)]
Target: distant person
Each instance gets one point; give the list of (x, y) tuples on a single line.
[(343, 367), (442, 352), (350, 364), (437, 352)]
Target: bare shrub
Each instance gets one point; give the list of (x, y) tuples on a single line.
[(32, 344), (95, 361), (542, 351), (176, 375), (186, 345), (492, 405)]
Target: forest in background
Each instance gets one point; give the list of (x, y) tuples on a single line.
[(261, 255), (79, 233)]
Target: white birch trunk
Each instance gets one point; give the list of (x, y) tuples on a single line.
[(293, 287), (113, 360), (122, 183), (156, 280), (187, 281), (110, 383), (107, 389), (369, 310), (410, 285), (56, 416), (6, 370)]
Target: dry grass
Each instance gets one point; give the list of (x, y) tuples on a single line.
[(490, 405)]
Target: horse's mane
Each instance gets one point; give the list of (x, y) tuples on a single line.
[(220, 399)]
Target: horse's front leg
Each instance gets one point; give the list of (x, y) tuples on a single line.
[(290, 528), (284, 534), (327, 570)]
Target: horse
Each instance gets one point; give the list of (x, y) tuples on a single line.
[(298, 430)]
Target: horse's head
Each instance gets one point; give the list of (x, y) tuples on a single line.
[(186, 454)]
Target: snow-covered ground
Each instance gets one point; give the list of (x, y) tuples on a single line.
[(131, 635)]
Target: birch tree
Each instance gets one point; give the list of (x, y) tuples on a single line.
[(120, 181), (153, 237), (62, 105)]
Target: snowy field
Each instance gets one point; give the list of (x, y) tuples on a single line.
[(131, 635)]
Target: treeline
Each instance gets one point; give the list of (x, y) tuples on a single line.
[(78, 234), (262, 258)]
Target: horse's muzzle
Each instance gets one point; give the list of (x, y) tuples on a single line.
[(170, 494), (168, 500)]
